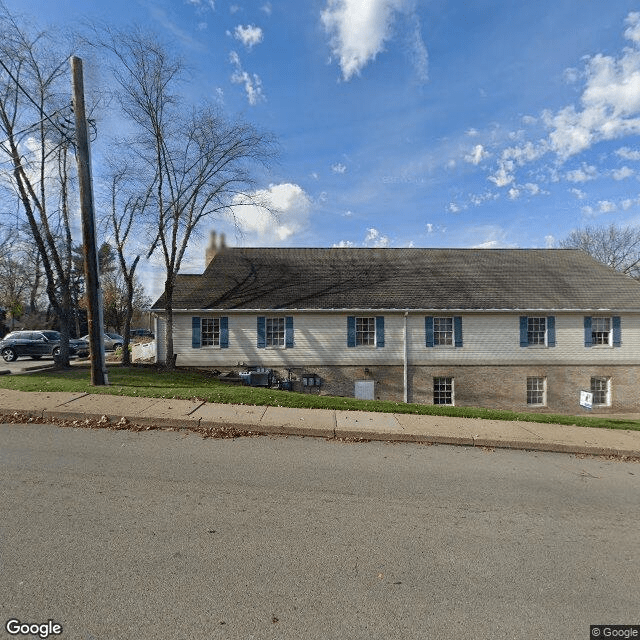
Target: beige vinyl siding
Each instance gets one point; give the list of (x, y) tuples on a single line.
[(321, 339)]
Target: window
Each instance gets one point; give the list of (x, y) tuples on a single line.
[(275, 332), (601, 331), (537, 331), (601, 390), (443, 331), (210, 332), (537, 391), (365, 331), (443, 391)]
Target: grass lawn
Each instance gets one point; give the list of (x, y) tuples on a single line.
[(150, 381)]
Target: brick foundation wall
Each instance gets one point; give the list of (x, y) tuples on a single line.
[(492, 387)]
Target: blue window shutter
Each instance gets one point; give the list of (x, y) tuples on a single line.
[(195, 332), (288, 332), (617, 333), (524, 325), (428, 331), (351, 331), (551, 331), (379, 331), (457, 330), (224, 332), (588, 340), (262, 332)]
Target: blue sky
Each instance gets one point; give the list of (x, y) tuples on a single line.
[(409, 123)]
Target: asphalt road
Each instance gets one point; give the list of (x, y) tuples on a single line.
[(121, 535)]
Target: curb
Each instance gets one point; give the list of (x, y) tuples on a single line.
[(278, 429)]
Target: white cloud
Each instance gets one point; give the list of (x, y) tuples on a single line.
[(622, 173), (375, 239), (502, 177), (628, 154), (610, 102), (477, 155), (291, 206), (251, 82), (249, 35), (347, 214), (608, 109), (578, 193), (633, 31), (549, 242), (453, 207), (338, 168), (344, 244), (266, 8), (584, 174), (359, 30), (429, 227), (514, 193), (606, 206), (495, 237)]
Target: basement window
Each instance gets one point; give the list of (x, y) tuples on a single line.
[(537, 392), (601, 389), (443, 391)]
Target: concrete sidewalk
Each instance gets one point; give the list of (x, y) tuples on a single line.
[(160, 412)]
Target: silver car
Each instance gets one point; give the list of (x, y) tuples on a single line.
[(112, 341)]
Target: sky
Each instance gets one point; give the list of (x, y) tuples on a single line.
[(410, 123)]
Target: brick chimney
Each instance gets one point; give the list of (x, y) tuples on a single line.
[(216, 245)]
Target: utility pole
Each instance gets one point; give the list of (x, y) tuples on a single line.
[(91, 268)]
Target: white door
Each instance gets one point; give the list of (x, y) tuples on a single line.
[(365, 389)]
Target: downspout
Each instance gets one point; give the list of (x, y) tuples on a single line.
[(405, 357)]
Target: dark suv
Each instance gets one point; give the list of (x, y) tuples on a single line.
[(37, 344)]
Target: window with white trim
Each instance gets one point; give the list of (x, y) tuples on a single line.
[(536, 330), (443, 331), (365, 331), (210, 332), (275, 332), (537, 391), (443, 390), (600, 331), (601, 390)]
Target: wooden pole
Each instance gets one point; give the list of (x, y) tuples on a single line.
[(91, 268)]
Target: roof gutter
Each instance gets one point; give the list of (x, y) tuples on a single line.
[(412, 310)]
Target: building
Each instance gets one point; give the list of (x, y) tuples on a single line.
[(521, 329)]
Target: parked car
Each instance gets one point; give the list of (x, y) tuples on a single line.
[(37, 344), (112, 341), (140, 333)]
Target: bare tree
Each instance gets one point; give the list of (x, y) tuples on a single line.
[(615, 246), (128, 204), (197, 164), (34, 96)]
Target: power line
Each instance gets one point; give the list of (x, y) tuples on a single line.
[(26, 93)]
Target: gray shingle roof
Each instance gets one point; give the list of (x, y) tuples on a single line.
[(274, 278)]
